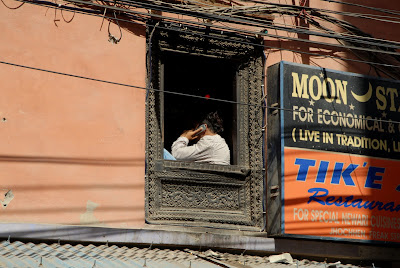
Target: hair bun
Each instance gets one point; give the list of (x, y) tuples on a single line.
[(214, 122)]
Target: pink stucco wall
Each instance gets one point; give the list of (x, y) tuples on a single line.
[(72, 150)]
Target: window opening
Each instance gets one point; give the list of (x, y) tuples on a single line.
[(205, 77)]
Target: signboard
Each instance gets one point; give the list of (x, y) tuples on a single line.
[(338, 154)]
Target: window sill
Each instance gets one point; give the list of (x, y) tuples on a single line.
[(201, 167)]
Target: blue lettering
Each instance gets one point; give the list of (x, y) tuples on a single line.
[(320, 195), (389, 206), (372, 177), (322, 170), (357, 203), (368, 204), (339, 202), (329, 199), (305, 164), (338, 172), (379, 205), (346, 204), (314, 197)]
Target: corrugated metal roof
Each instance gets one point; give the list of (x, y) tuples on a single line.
[(20, 254)]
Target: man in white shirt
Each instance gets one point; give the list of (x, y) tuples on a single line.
[(211, 147)]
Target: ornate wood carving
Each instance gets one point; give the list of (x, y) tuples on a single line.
[(199, 196), (203, 194)]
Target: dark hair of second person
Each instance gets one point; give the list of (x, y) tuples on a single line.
[(214, 122)]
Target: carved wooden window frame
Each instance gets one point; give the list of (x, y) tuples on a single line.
[(198, 194)]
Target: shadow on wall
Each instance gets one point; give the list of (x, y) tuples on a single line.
[(74, 161), (83, 233), (32, 188)]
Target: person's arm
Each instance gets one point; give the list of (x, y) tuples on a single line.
[(199, 151)]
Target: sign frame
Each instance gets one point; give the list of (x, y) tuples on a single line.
[(276, 190)]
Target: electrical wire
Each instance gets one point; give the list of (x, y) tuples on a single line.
[(182, 94), (70, 20), (149, 61), (356, 48), (261, 23), (12, 7), (344, 13), (295, 30), (189, 95), (351, 28), (347, 37), (383, 10), (342, 36), (353, 60), (246, 31), (161, 9), (111, 37), (301, 7), (220, 38)]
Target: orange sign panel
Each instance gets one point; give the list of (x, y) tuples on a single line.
[(337, 195)]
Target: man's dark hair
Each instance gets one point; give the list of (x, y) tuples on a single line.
[(214, 122)]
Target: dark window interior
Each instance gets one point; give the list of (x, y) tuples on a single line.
[(200, 76)]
